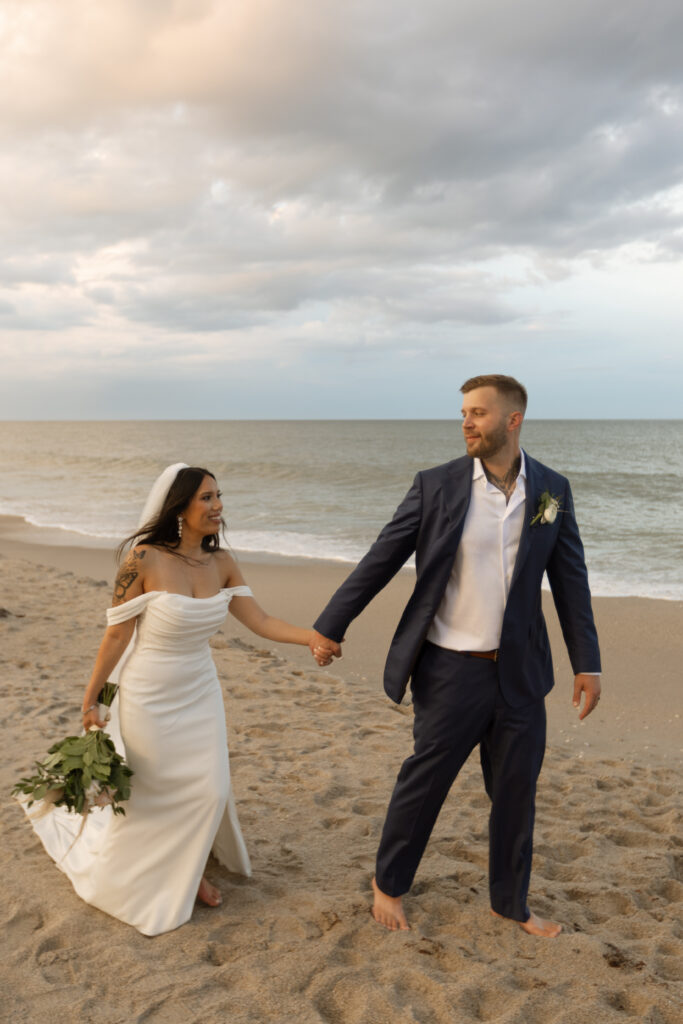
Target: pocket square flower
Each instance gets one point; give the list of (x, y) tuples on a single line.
[(548, 507)]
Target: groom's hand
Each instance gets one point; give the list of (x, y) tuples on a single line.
[(589, 686), (323, 649)]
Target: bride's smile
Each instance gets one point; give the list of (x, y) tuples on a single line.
[(203, 515)]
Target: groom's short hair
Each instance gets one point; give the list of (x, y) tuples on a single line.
[(507, 386)]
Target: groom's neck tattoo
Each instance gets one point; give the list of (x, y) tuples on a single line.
[(505, 483), (126, 576)]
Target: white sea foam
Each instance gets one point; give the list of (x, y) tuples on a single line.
[(81, 532), (294, 545)]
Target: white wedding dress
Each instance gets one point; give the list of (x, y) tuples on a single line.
[(144, 868)]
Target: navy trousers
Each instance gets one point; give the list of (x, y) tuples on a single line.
[(457, 704)]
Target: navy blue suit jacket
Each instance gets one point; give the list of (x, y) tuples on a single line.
[(429, 521)]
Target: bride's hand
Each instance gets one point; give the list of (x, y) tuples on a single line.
[(92, 717), (323, 649)]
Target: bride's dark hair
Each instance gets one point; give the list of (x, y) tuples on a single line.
[(162, 530)]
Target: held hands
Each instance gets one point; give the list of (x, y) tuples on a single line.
[(324, 650), (590, 686)]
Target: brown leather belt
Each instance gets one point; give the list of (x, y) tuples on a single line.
[(491, 655)]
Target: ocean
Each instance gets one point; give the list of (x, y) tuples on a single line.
[(324, 489)]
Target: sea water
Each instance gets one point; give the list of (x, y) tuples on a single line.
[(324, 489)]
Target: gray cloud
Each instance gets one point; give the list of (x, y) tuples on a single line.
[(332, 172)]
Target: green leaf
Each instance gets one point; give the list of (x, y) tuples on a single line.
[(51, 761), (73, 746)]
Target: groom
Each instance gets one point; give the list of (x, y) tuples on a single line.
[(473, 642)]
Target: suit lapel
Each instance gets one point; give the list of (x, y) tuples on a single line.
[(458, 490), (532, 491)]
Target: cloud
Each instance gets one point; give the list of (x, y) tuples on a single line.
[(318, 174)]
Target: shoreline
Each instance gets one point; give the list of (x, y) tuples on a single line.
[(641, 641), (29, 536)]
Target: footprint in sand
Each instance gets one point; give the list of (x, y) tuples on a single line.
[(331, 795), (632, 837), (668, 889), (368, 808), (56, 961), (21, 927)]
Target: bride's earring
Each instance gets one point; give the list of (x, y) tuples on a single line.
[(180, 527)]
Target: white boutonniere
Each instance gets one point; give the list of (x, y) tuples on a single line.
[(548, 507)]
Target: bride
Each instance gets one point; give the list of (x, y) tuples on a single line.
[(172, 593)]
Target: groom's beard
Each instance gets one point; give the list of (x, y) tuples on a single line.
[(485, 446)]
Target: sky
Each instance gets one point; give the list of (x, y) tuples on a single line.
[(218, 209)]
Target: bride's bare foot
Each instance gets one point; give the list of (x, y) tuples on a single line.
[(387, 910), (535, 925), (209, 894)]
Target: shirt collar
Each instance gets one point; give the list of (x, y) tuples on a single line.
[(478, 470)]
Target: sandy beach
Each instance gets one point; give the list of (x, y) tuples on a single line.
[(314, 754)]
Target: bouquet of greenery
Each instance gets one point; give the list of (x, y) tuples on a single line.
[(81, 772)]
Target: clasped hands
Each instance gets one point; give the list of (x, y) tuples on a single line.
[(323, 649)]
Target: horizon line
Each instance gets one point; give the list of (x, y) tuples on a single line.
[(335, 419)]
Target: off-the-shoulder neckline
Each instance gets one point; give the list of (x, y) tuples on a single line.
[(190, 597)]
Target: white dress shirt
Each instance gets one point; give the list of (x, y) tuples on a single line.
[(470, 616)]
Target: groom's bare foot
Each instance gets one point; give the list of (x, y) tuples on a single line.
[(387, 910), (535, 925), (209, 894)]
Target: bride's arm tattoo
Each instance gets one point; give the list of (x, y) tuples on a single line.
[(127, 575)]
